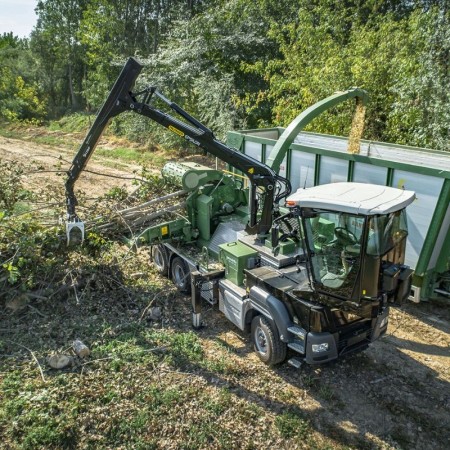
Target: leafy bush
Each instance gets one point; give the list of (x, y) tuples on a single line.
[(29, 253), (21, 97), (291, 425), (11, 190)]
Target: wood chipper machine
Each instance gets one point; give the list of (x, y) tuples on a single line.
[(310, 274)]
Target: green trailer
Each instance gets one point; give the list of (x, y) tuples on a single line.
[(311, 159)]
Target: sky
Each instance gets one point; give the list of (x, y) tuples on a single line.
[(17, 16)]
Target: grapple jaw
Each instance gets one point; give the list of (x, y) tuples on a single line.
[(75, 232)]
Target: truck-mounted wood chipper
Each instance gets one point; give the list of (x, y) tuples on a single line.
[(311, 273)]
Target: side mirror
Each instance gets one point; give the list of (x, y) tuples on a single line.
[(308, 213)]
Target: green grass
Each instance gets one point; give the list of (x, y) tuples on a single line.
[(53, 141), (42, 135), (326, 392), (11, 133), (22, 207), (207, 434), (291, 425), (133, 397), (219, 405), (120, 398), (33, 419), (68, 132), (73, 123), (139, 156), (126, 154)]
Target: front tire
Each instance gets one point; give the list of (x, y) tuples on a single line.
[(181, 275), (266, 341)]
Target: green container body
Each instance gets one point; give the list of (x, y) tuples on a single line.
[(284, 248), (236, 257), (167, 231), (314, 159)]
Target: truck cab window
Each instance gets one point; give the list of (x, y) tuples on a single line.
[(335, 241), (385, 232)]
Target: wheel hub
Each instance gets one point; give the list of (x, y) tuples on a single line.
[(179, 276), (261, 340), (158, 258)]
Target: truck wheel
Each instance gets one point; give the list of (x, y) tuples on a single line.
[(267, 344), (160, 260), (181, 276)]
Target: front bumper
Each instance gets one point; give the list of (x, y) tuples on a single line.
[(321, 340), (343, 343)]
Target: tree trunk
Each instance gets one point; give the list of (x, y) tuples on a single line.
[(73, 97)]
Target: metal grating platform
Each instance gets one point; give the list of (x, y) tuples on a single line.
[(225, 232)]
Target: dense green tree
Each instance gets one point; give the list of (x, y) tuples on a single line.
[(400, 58), (203, 64), (21, 96), (237, 64), (420, 110), (55, 41), (113, 30)]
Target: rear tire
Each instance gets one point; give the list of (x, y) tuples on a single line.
[(267, 343), (160, 259), (181, 275)]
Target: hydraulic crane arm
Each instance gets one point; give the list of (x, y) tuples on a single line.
[(113, 106), (121, 99)]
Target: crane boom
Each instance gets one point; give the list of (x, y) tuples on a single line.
[(122, 99)]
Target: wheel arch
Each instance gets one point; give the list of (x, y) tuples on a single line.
[(273, 309), (250, 315)]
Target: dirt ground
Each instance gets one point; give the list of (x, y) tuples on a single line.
[(45, 159), (396, 394)]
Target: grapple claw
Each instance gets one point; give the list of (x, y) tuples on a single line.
[(75, 232)]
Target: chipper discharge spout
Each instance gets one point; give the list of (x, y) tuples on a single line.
[(281, 147)]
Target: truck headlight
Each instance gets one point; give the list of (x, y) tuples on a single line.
[(384, 322), (317, 348)]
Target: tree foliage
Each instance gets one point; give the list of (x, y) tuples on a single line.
[(237, 64), (401, 60), (21, 96)]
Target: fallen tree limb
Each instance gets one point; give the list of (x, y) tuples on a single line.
[(138, 218)]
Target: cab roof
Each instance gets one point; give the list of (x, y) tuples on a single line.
[(353, 198)]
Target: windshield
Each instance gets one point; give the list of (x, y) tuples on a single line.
[(334, 239), (385, 232)]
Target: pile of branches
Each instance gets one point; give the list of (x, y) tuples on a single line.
[(133, 219), (35, 260)]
